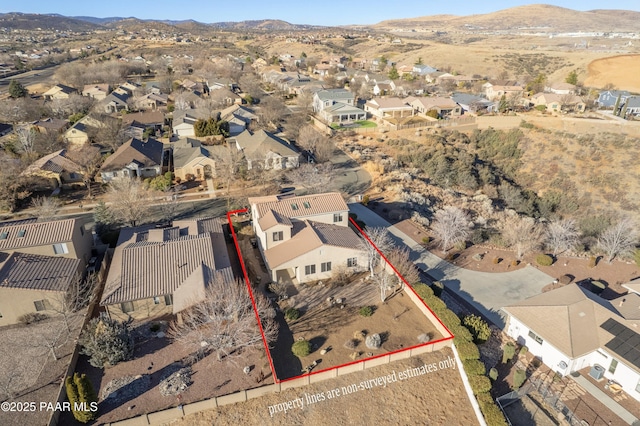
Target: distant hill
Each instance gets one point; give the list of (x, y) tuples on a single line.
[(534, 18), (100, 21), (32, 21)]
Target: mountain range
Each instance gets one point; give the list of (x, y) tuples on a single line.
[(533, 18)]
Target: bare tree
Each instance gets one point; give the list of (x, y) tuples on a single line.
[(523, 234), (70, 304), (63, 108), (451, 225), (45, 208), (13, 186), (316, 143), (271, 111), (110, 132), (181, 103), (313, 177), (562, 235), (128, 200), (385, 282), (400, 258), (619, 239), (225, 322), (51, 339), (25, 139), (89, 159), (381, 239)]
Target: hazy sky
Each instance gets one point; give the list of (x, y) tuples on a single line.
[(320, 12)]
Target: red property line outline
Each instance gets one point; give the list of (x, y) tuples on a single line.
[(264, 340)]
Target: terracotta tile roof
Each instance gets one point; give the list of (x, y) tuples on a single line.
[(36, 233), (308, 236), (271, 219), (299, 206), (56, 162), (146, 265), (35, 272)]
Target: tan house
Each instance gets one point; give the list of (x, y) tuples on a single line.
[(495, 92), (63, 238), (80, 133), (134, 158), (59, 91), (558, 103), (164, 271), (384, 108), (57, 168), (305, 238), (266, 150), (191, 158), (96, 91), (31, 283), (445, 107)]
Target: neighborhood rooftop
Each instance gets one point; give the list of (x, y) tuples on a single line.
[(16, 235), (300, 206), (35, 272)]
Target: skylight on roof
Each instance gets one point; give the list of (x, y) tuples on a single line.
[(306, 205), (21, 233), (294, 206), (4, 235)]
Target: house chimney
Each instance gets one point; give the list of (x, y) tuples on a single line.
[(621, 303)]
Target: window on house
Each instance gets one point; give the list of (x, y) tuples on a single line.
[(306, 205), (294, 206), (156, 300), (21, 233), (535, 337), (278, 236), (4, 235), (613, 366), (310, 269), (337, 217), (168, 299), (127, 307), (325, 266), (352, 261), (42, 305), (72, 176), (60, 248)]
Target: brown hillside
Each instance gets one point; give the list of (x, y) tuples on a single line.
[(621, 71)]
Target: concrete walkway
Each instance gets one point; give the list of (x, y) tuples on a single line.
[(486, 291), (609, 402)]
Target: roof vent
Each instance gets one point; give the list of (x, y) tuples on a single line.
[(622, 302), (581, 314)]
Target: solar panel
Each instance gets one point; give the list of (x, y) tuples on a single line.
[(625, 343)]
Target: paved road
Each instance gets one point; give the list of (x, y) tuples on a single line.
[(487, 292), (350, 177)]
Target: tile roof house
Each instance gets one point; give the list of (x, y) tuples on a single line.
[(191, 158), (239, 118), (115, 102), (164, 271), (50, 126), (561, 88), (58, 168), (96, 91), (184, 120), (558, 103), (134, 158), (80, 133), (388, 108), (267, 150), (445, 107), (473, 103), (31, 283), (305, 238), (630, 107), (495, 92), (570, 329), (608, 98)]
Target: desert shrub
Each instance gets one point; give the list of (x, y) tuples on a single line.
[(422, 290), (536, 362), (524, 350), (592, 262), (426, 240), (564, 280), (468, 350), (460, 245), (492, 414), (437, 288), (291, 314), (636, 256), (597, 287), (107, 342), (541, 108), (461, 334), (301, 348), (508, 352), (80, 390), (373, 341), (32, 317), (359, 334), (351, 343), (424, 338), (474, 367), (366, 311), (518, 379), (493, 374), (365, 200), (544, 260), (496, 260), (478, 328), (514, 262), (479, 384), (354, 355)]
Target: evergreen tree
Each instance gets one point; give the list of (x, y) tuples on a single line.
[(86, 396), (572, 78), (393, 73), (17, 90), (107, 342)]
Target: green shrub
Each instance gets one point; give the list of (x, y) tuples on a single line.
[(426, 240), (32, 317), (479, 384), (460, 245), (423, 290), (365, 200), (72, 393), (437, 288), (436, 304), (107, 342), (478, 328), (301, 348), (291, 314), (461, 334), (524, 350), (449, 318), (468, 350), (518, 379), (474, 367), (366, 311), (491, 412), (544, 260), (508, 352), (493, 374), (80, 390)]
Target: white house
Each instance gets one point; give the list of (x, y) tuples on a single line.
[(305, 238), (571, 329)]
